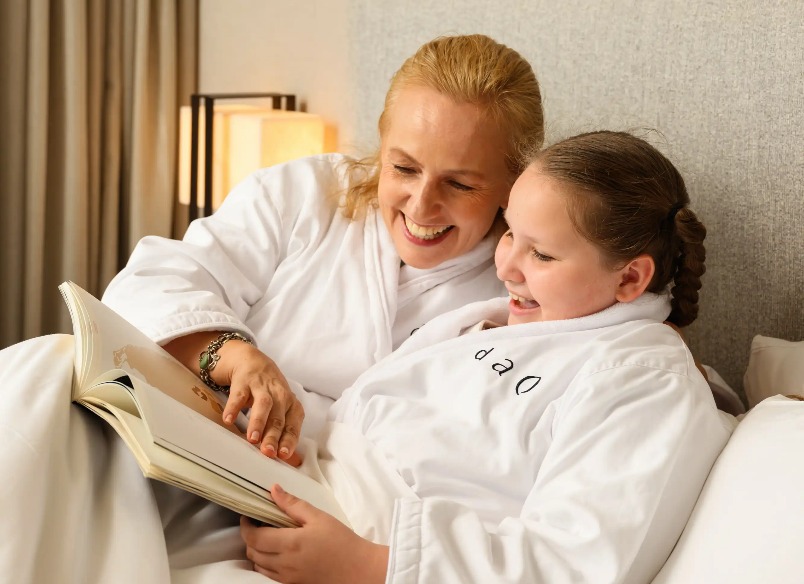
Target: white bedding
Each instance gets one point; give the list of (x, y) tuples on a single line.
[(76, 508)]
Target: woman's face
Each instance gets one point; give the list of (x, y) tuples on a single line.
[(443, 176), (550, 270)]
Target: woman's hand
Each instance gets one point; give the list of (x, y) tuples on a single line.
[(322, 550), (254, 381)]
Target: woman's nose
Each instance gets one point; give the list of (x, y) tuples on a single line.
[(426, 199)]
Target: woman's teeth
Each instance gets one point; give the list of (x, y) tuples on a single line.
[(425, 232), (523, 302)]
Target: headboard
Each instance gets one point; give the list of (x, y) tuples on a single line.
[(722, 82)]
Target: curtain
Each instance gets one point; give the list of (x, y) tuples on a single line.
[(89, 106)]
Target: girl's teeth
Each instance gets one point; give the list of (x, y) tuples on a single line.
[(424, 232), (523, 302)]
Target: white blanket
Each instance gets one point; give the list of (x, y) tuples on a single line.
[(74, 507)]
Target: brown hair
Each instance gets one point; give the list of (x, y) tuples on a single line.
[(628, 199), (471, 69)]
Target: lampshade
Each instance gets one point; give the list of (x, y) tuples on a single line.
[(245, 138)]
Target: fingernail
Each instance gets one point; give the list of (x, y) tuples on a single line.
[(278, 489), (270, 449), (255, 436), (229, 419), (283, 451)]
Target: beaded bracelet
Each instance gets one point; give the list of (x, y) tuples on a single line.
[(209, 358)]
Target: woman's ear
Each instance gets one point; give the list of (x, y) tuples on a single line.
[(635, 277)]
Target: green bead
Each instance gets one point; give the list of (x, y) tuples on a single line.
[(204, 363)]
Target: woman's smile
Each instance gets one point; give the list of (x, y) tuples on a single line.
[(425, 234)]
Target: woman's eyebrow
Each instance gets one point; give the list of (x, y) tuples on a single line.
[(467, 172), (399, 152)]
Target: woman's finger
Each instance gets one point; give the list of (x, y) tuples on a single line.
[(290, 436), (273, 425), (239, 399)]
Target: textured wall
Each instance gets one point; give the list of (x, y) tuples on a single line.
[(722, 81)]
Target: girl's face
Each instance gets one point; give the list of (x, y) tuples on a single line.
[(551, 271), (443, 176)]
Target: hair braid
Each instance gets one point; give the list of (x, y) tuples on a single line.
[(690, 267)]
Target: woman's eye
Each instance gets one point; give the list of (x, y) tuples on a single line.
[(403, 169), (460, 186), (509, 234), (541, 257)]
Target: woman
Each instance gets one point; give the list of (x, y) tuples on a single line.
[(327, 264), (567, 446), (305, 260)]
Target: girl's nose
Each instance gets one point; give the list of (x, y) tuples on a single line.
[(507, 262)]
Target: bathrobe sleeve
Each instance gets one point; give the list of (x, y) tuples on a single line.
[(631, 447), (225, 262)]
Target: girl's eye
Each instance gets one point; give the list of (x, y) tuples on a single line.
[(541, 257), (403, 169), (509, 234)]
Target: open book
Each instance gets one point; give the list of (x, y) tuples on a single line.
[(171, 421)]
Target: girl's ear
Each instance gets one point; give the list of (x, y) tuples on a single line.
[(635, 277)]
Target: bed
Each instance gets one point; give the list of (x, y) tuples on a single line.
[(724, 86)]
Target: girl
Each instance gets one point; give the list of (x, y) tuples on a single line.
[(568, 446)]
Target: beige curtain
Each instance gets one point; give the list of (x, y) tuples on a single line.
[(89, 98)]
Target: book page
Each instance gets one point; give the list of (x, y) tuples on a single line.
[(162, 464), (109, 345), (186, 432)]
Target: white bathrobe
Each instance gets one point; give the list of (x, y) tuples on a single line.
[(322, 295), (556, 452)]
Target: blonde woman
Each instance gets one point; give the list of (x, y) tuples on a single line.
[(312, 271)]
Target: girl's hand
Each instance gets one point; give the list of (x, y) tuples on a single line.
[(322, 550)]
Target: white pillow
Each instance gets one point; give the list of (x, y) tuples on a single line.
[(748, 524), (775, 367)]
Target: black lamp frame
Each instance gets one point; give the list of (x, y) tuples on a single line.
[(281, 101)]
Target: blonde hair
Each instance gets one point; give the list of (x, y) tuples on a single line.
[(628, 199), (471, 69)]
